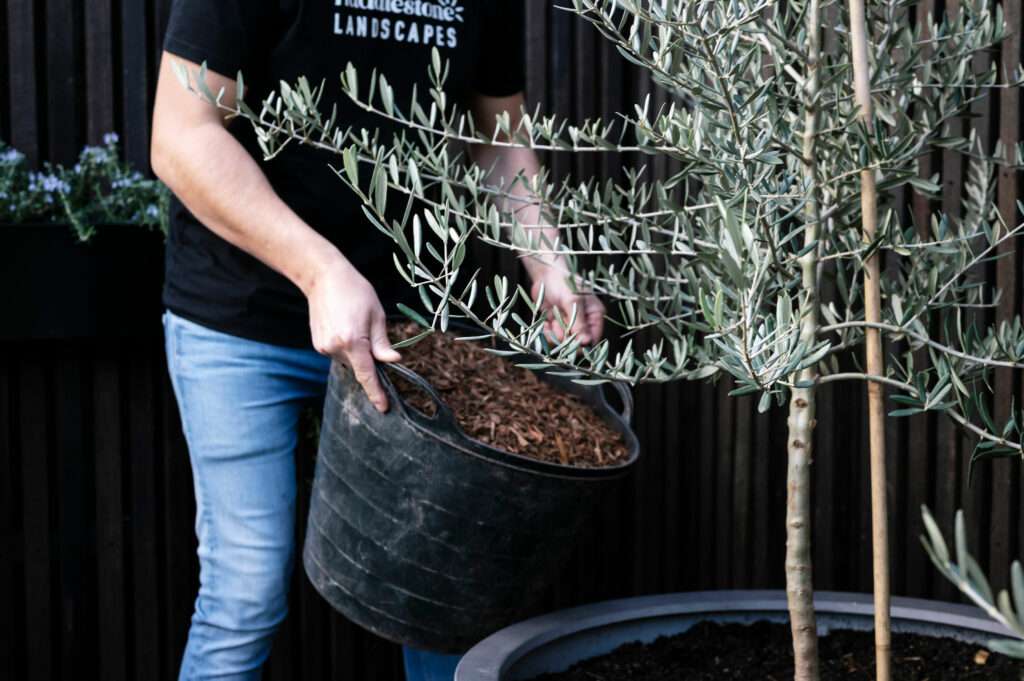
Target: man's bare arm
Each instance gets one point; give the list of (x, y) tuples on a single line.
[(548, 270), (224, 187)]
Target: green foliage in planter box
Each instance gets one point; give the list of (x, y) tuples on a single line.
[(100, 188)]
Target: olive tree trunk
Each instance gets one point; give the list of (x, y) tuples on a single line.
[(799, 568)]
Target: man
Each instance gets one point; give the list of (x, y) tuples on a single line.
[(272, 271)]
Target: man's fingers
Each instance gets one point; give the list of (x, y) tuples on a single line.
[(579, 325), (552, 329), (595, 318), (589, 323), (582, 329), (365, 370), (380, 342)]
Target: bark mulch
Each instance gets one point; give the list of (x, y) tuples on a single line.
[(763, 652), (506, 406)]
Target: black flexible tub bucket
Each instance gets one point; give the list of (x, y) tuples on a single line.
[(432, 539)]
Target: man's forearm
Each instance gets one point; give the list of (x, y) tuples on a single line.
[(224, 187), (217, 179), (546, 266), (506, 165)]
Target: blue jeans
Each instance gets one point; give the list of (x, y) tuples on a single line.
[(240, 403)]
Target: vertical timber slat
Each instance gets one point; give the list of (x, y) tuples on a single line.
[(62, 86), (23, 84), (72, 482), (107, 443), (1007, 279), (99, 69), (10, 626), (144, 508), (135, 82), (36, 489)]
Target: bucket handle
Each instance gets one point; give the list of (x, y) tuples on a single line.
[(443, 417), (626, 395)]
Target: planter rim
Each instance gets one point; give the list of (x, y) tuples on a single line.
[(492, 656)]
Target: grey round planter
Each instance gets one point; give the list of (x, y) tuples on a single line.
[(554, 642)]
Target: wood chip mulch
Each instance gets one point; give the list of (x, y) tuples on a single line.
[(505, 406)]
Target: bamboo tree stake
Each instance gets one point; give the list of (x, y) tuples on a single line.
[(875, 360), (799, 570)]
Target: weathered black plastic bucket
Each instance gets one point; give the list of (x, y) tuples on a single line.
[(429, 538)]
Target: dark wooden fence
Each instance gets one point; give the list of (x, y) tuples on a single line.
[(97, 567)]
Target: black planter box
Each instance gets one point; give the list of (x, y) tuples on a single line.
[(55, 287)]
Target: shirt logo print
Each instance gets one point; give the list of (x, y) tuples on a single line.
[(433, 23)]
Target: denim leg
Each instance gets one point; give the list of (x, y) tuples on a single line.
[(421, 665), (240, 403)]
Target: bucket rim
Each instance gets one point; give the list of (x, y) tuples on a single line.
[(458, 439)]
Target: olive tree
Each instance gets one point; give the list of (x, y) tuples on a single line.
[(794, 127), (963, 570)]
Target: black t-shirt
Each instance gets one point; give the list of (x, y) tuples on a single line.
[(220, 286)]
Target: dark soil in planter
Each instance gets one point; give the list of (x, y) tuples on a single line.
[(763, 652), (506, 406)]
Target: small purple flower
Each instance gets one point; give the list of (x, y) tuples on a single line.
[(110, 139), (53, 184), (11, 156), (128, 181), (95, 154), (152, 211)]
